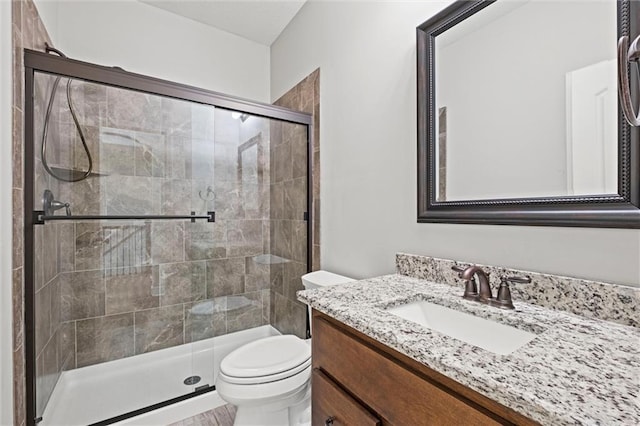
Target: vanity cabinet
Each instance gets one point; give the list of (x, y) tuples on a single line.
[(354, 375)]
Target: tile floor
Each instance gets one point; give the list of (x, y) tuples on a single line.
[(221, 416)]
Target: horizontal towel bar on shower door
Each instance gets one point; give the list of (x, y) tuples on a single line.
[(39, 217)]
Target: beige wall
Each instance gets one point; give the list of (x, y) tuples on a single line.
[(366, 51)]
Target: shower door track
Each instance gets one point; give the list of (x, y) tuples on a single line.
[(35, 61)]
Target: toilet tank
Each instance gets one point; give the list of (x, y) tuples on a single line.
[(319, 279)]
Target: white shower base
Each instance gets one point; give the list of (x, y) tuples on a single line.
[(99, 392)]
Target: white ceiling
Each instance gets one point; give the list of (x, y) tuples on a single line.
[(259, 20)]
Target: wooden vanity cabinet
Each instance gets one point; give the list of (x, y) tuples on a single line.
[(359, 381)]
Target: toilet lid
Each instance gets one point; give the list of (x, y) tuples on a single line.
[(266, 357)]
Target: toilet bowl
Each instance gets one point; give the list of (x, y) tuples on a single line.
[(269, 380)]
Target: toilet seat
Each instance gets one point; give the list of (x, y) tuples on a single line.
[(266, 360)]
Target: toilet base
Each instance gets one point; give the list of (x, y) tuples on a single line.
[(298, 414)]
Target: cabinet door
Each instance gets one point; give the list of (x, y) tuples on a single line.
[(331, 406)]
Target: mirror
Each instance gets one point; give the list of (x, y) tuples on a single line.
[(518, 117)]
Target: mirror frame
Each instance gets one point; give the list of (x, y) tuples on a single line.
[(621, 210)]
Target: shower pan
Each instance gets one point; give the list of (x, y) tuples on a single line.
[(162, 222)]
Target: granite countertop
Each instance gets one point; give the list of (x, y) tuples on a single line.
[(576, 371)]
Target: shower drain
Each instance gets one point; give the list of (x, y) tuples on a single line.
[(191, 380)]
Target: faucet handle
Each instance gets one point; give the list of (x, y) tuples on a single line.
[(459, 269), (516, 279), (503, 299)]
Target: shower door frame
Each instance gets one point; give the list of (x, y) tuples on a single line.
[(35, 61)]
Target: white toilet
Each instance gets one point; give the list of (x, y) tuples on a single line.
[(268, 380)]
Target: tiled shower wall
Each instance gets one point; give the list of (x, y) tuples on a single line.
[(28, 32), (288, 204), (135, 287)]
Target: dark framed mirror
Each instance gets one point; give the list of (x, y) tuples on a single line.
[(518, 116)]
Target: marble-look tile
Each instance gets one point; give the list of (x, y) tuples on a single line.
[(277, 201), (167, 242), (276, 275), (295, 198), (225, 277), (17, 296), (176, 115), (17, 147), (316, 173), (201, 163), (55, 317), (175, 197), (229, 204), (126, 246), (38, 261), (275, 132), (47, 374), (202, 121), (18, 222), (290, 316), (66, 247), (50, 252), (82, 295), (281, 161), (299, 241), (66, 346), (89, 242), (257, 282), (582, 297), (159, 328), (131, 110), (182, 282), (19, 389), (316, 258), (87, 196), (244, 238), (150, 154), (43, 318), (133, 290), (256, 199), (104, 339), (293, 271), (117, 159), (316, 221), (203, 196), (245, 314), (201, 244), (299, 157), (266, 306), (131, 195), (281, 237), (178, 146), (205, 319)]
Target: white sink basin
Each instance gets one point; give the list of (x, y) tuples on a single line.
[(490, 335)]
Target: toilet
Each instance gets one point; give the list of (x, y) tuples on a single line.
[(268, 380)]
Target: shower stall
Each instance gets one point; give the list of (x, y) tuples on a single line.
[(165, 225)]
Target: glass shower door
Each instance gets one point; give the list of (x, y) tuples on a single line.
[(121, 285)]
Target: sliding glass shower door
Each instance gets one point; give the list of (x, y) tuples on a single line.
[(121, 275), (161, 233)]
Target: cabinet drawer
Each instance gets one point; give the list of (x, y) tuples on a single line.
[(331, 402), (396, 394)]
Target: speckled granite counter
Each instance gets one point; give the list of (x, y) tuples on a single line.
[(576, 371)]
